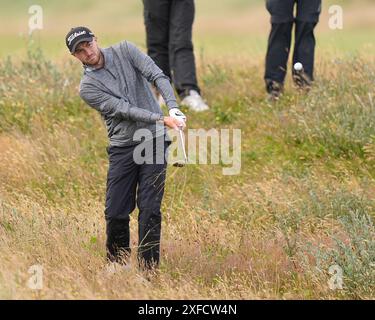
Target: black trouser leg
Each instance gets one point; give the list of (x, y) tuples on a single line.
[(124, 175), (305, 47), (182, 58), (308, 12), (156, 18), (149, 198), (279, 40), (120, 201), (278, 51), (118, 238)]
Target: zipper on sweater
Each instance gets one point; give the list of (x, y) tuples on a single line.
[(114, 77), (123, 72)]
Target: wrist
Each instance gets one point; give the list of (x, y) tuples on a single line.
[(161, 119)]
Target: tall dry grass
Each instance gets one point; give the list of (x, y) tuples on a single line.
[(303, 201)]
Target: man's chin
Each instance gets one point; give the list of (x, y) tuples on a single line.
[(92, 62)]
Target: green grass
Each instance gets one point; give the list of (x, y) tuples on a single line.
[(302, 202), (232, 28), (307, 163)]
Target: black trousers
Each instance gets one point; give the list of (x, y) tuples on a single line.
[(169, 25), (128, 184), (279, 42)]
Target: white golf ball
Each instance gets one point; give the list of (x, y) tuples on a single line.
[(298, 66)]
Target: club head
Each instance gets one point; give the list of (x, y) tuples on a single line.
[(179, 164)]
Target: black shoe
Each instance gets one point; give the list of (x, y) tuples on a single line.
[(274, 89), (302, 80)]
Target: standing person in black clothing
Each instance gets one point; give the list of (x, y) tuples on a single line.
[(282, 20), (169, 25)]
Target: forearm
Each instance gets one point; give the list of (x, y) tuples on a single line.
[(165, 88), (138, 114), (113, 107), (121, 109)]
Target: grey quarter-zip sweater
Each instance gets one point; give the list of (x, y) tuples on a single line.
[(121, 91)]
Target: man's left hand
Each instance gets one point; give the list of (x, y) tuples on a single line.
[(177, 114)]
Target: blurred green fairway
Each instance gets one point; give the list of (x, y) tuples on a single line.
[(222, 28)]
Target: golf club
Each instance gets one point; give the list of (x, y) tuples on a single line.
[(179, 163)]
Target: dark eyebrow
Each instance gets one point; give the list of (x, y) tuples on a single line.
[(82, 44)]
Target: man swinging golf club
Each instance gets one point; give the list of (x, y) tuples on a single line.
[(116, 82)]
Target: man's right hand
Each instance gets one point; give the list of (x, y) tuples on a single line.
[(173, 123)]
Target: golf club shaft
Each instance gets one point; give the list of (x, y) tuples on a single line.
[(183, 143)]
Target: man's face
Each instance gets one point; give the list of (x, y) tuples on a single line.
[(88, 52)]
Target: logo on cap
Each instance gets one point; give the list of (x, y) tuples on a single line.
[(75, 35)]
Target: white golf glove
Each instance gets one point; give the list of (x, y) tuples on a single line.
[(177, 114)]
